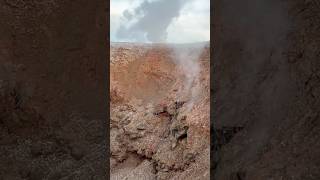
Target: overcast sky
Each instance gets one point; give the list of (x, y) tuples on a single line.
[(172, 21)]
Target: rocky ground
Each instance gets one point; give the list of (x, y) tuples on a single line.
[(157, 130)]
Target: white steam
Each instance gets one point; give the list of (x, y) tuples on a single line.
[(187, 59)]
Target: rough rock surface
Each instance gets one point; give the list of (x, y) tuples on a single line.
[(266, 89), (156, 133), (53, 84)]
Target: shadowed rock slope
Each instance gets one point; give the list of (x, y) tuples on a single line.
[(53, 90), (266, 89)]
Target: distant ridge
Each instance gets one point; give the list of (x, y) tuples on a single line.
[(202, 43)]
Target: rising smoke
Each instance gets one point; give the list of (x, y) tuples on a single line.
[(150, 20)]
